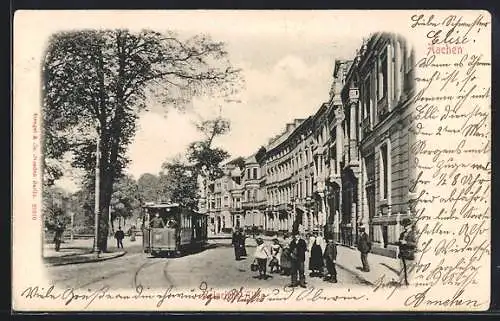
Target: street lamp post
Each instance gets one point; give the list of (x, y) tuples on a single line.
[(97, 191), (72, 224)]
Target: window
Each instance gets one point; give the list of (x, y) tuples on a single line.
[(248, 173), (383, 81), (384, 171), (226, 201), (255, 173), (367, 98)]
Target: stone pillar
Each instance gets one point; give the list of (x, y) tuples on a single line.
[(354, 219), (304, 219), (336, 225), (398, 224), (353, 149), (339, 143), (324, 210)]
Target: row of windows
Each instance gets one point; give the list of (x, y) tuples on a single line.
[(301, 189), (384, 83), (217, 203), (252, 173)]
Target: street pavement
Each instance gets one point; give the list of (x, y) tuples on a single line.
[(215, 265), (77, 251)]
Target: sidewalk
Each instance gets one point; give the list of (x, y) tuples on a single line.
[(75, 252), (380, 266)]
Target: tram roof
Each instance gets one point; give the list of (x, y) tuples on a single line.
[(161, 205)]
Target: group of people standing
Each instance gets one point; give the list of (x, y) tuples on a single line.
[(289, 258)]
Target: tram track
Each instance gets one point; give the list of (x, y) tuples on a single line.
[(111, 275), (141, 268), (165, 273)]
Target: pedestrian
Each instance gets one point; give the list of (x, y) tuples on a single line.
[(364, 247), (133, 233), (316, 259), (119, 235), (349, 234), (321, 240), (261, 256), (407, 245), (59, 230), (285, 256), (276, 252), (157, 221), (330, 257), (236, 239), (298, 249), (243, 238)]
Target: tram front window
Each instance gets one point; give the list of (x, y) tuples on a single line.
[(157, 222)]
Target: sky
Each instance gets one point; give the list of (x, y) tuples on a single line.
[(287, 63)]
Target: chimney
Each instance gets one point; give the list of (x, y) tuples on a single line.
[(289, 127)]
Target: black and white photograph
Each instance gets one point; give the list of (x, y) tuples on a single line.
[(255, 160)]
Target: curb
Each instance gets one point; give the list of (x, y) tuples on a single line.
[(98, 259)]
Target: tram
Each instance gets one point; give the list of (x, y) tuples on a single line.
[(171, 229)]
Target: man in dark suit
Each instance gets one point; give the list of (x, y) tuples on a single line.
[(330, 257), (298, 248), (119, 236), (407, 245), (364, 247)]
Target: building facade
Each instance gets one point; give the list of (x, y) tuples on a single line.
[(344, 167), (383, 76)]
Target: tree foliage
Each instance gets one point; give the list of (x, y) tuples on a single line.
[(149, 187), (238, 162), (204, 157), (179, 184), (125, 200), (261, 155), (97, 81), (55, 207)]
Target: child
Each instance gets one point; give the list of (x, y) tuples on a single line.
[(261, 255), (276, 256)]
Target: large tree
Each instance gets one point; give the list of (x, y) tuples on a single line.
[(202, 155), (97, 81)]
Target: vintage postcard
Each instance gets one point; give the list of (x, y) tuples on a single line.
[(251, 160)]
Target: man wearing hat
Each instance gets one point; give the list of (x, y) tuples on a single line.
[(157, 222), (298, 248), (330, 257), (407, 244), (364, 247)]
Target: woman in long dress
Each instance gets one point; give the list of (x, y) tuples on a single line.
[(316, 260), (285, 262)]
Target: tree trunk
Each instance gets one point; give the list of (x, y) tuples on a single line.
[(112, 225), (106, 191)]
